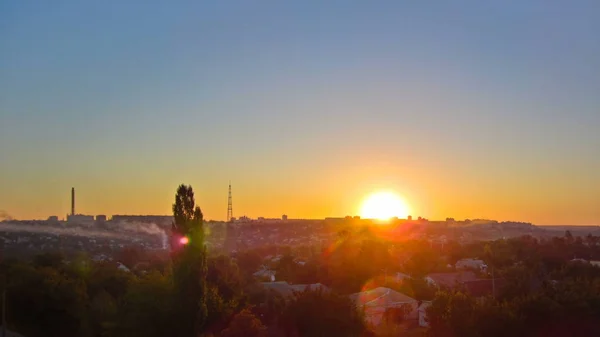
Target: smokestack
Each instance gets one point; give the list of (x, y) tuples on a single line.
[(72, 200)]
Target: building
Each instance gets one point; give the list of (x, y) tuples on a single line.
[(400, 277), (376, 302), (470, 263), (80, 219), (450, 280), (160, 220), (423, 313), (265, 275), (101, 218), (288, 290), (52, 218)]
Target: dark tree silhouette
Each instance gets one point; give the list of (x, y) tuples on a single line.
[(189, 263), (245, 324), (187, 216), (319, 313)]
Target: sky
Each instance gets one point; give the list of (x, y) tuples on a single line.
[(466, 109)]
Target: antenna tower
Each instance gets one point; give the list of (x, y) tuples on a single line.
[(229, 206)]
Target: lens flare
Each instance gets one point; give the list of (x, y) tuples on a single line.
[(184, 240)]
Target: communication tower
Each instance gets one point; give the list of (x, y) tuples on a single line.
[(229, 206)]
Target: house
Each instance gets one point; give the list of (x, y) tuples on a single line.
[(376, 302), (288, 290), (122, 267), (470, 263), (422, 312), (265, 275), (401, 277), (450, 280)]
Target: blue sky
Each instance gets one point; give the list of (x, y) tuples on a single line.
[(467, 109)]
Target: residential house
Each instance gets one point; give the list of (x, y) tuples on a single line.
[(376, 302), (265, 274), (470, 263), (422, 312), (450, 280), (288, 290), (401, 277)]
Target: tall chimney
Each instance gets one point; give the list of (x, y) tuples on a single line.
[(72, 200)]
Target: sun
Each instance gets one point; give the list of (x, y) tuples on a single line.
[(383, 206)]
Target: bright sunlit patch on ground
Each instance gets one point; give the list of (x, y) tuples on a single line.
[(383, 206)]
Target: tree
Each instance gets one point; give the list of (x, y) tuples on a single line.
[(187, 216), (45, 302), (106, 277), (568, 236), (249, 262), (103, 314), (318, 313), (287, 269), (224, 293), (245, 324), (189, 263), (147, 308), (451, 314), (52, 260), (417, 288)]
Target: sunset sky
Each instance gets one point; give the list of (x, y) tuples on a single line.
[(466, 109)]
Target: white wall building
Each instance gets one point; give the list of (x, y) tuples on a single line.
[(471, 264)]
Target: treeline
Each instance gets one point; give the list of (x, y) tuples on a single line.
[(570, 307), (50, 296), (549, 288)]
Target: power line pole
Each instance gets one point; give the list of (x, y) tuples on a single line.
[(229, 206)]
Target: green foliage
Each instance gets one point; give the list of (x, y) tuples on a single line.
[(188, 217), (287, 269), (318, 313), (44, 301), (104, 277), (52, 260), (103, 314), (249, 262), (422, 262), (416, 288), (570, 308), (189, 264), (245, 324), (147, 308)]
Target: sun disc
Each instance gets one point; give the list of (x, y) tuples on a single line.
[(383, 206)]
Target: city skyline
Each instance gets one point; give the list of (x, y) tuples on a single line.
[(467, 111), (361, 213)]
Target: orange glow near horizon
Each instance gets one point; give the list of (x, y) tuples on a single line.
[(383, 206)]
